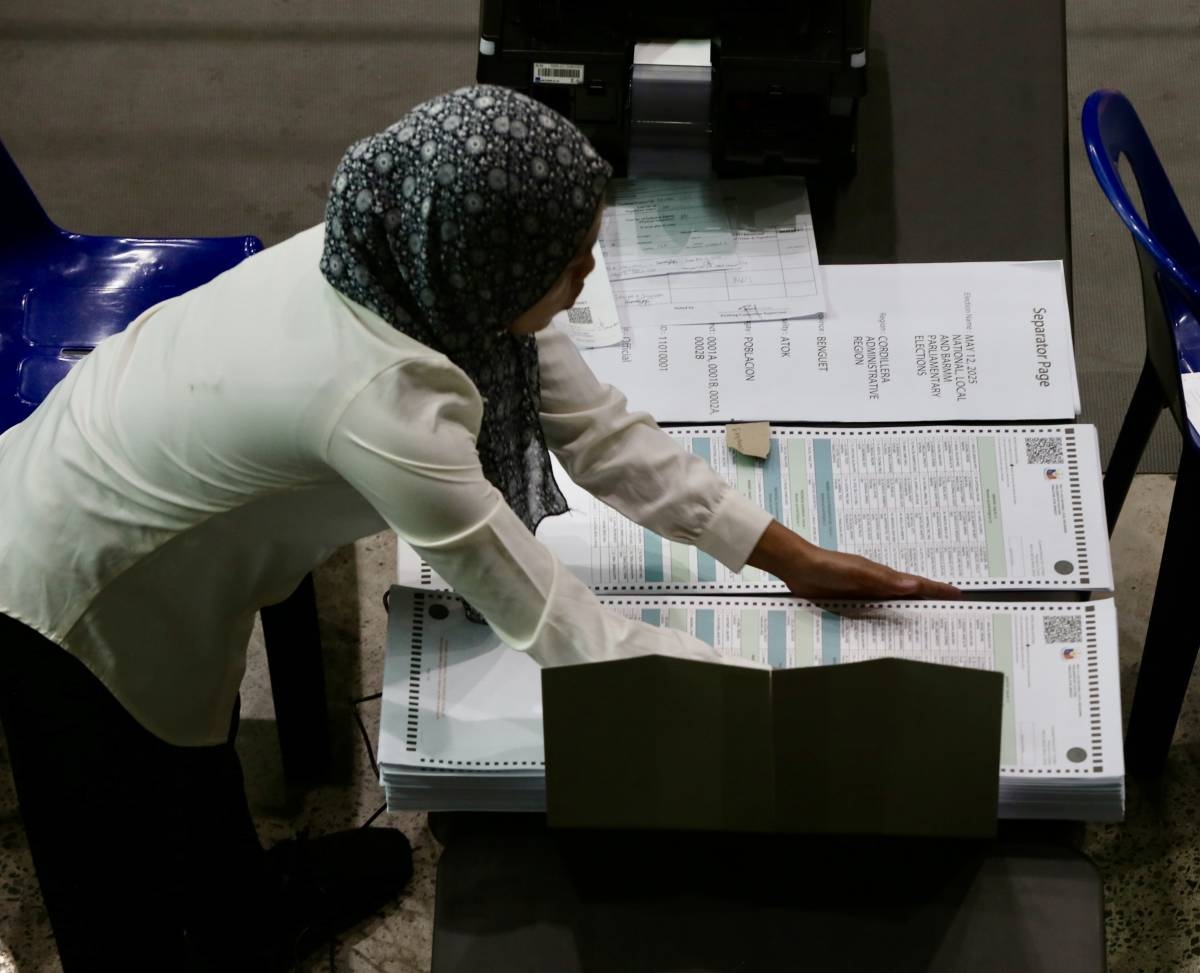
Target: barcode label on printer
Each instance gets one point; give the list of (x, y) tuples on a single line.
[(557, 73)]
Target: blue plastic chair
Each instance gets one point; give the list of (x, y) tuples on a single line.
[(1169, 258), (61, 293)]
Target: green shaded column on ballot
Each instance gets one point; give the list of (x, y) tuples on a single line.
[(746, 471), (777, 638), (681, 565), (989, 489), (652, 555), (826, 498), (804, 637), (706, 565), (750, 639), (1002, 652), (797, 467), (831, 639)]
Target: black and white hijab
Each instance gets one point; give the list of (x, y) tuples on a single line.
[(449, 225)]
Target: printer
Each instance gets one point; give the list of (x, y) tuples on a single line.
[(688, 87)]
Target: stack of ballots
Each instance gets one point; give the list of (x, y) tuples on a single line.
[(462, 714), (461, 726)]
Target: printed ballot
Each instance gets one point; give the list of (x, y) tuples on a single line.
[(462, 713), (989, 508)]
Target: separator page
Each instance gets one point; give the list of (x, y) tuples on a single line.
[(988, 508), (943, 342)]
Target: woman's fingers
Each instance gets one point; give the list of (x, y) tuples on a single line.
[(914, 586), (852, 576)]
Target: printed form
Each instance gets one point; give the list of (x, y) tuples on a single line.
[(899, 343), (694, 253), (989, 508), (659, 226)]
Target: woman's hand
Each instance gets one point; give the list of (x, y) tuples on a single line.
[(813, 572)]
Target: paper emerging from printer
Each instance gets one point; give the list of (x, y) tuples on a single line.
[(686, 252), (659, 226)]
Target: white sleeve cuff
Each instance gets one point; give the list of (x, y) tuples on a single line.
[(734, 530)]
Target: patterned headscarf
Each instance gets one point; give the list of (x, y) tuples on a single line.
[(449, 225)]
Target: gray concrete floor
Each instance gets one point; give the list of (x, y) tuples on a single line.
[(1150, 863)]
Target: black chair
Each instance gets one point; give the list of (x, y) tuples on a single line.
[(1169, 257)]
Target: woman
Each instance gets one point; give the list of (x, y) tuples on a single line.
[(392, 368)]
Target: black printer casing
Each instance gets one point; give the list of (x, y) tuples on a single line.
[(786, 74)]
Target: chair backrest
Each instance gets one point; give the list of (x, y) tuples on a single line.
[(1167, 248), (62, 293), (22, 215)]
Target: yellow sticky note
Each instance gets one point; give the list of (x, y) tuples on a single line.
[(749, 438)]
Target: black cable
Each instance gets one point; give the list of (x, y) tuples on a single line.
[(378, 811), (362, 729)]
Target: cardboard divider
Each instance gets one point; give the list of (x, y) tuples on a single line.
[(886, 747)]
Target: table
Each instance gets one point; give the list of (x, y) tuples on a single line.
[(512, 900), (962, 156)]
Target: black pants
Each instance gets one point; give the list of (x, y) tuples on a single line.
[(146, 853)]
